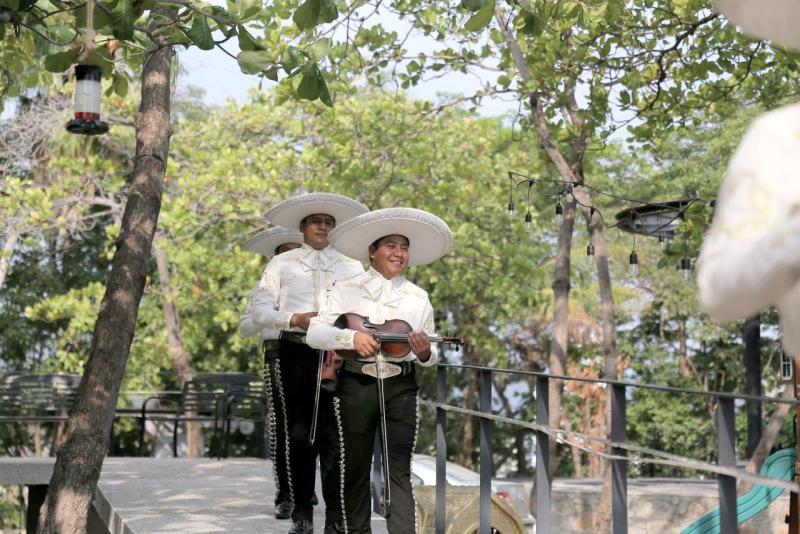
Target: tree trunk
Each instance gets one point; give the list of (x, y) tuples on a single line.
[(177, 352), (10, 244), (683, 351), (602, 521), (80, 458), (768, 438)]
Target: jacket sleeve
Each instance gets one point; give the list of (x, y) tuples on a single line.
[(321, 332), (247, 327), (751, 255), (265, 309), (430, 329)]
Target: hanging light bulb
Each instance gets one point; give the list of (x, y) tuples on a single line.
[(559, 213), (510, 209), (686, 268), (589, 255), (86, 120), (568, 194), (528, 221), (633, 261)]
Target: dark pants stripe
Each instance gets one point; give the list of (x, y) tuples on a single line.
[(299, 364), (277, 423), (360, 420)]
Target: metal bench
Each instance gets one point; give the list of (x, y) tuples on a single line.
[(223, 399), (36, 399)]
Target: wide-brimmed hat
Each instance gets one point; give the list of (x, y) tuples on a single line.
[(773, 20), (429, 237), (291, 211), (266, 241)]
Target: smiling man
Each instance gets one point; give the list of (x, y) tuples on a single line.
[(390, 239), (290, 292)]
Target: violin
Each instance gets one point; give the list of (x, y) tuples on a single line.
[(392, 335)]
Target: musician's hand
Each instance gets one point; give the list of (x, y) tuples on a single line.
[(365, 345), (420, 345), (301, 320)]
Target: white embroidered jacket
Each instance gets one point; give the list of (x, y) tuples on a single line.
[(371, 295), (296, 282), (751, 255)]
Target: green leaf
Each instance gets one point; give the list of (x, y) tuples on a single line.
[(324, 94), (2, 33), (200, 33), (254, 61), (319, 50), (272, 74), (120, 84), (62, 60), (246, 41), (13, 5), (309, 86), (122, 18), (481, 19), (328, 11), (614, 10), (101, 17), (307, 15)]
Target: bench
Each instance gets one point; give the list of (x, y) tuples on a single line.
[(224, 399)]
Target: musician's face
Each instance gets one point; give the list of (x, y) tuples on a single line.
[(315, 230), (286, 247), (389, 255)]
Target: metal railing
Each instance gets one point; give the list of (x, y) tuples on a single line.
[(617, 448)]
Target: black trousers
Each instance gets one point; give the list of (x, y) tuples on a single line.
[(298, 366), (360, 419), (276, 422)]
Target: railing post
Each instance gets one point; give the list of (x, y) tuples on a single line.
[(543, 476), (441, 450), (619, 468), (726, 456), (486, 453)]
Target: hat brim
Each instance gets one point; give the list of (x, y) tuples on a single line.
[(292, 211), (774, 20), (266, 241), (429, 237)]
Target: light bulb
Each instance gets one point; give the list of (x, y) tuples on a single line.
[(528, 221), (559, 213), (686, 268), (568, 195), (511, 210), (633, 260), (589, 255)]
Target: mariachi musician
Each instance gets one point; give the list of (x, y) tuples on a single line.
[(289, 294), (269, 243), (381, 395)]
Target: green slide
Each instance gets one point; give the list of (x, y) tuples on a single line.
[(778, 465)]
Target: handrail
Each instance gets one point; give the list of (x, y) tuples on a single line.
[(654, 387), (614, 447)]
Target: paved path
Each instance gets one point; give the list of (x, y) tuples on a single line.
[(177, 495)]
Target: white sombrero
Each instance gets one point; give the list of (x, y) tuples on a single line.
[(291, 211), (773, 20), (266, 241), (429, 237)]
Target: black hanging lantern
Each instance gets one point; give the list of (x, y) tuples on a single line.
[(87, 102)]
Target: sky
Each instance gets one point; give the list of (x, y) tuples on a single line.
[(219, 76)]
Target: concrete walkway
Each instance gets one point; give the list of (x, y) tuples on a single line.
[(162, 496)]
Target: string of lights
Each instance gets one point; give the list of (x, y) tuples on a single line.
[(652, 219)]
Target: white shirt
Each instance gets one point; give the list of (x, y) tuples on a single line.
[(372, 296), (249, 328), (751, 255), (296, 282)]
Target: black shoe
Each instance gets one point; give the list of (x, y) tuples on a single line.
[(283, 510), (334, 527), (314, 500), (302, 526)]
